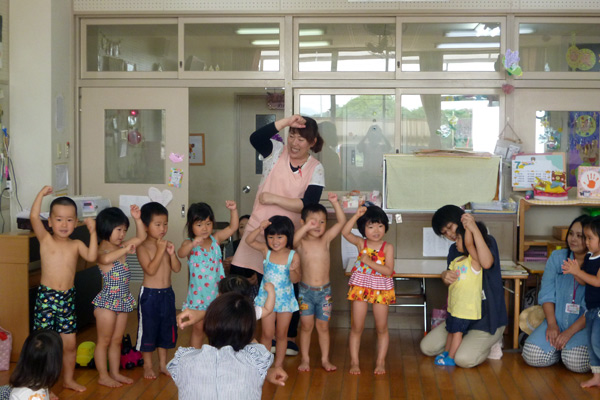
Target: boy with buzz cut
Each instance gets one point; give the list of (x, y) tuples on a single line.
[(157, 326), (55, 301), (311, 242)]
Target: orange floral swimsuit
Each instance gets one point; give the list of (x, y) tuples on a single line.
[(369, 285)]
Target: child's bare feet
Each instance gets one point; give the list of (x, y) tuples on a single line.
[(304, 366), (379, 369), (122, 379), (327, 366), (354, 369), (108, 381), (74, 386), (163, 370), (595, 381), (149, 373)]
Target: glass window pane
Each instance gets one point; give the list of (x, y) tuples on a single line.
[(450, 47), (347, 47), (559, 47), (134, 143), (434, 121), (135, 48), (231, 47), (358, 130)]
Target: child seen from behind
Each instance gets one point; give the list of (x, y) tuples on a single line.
[(464, 295), (282, 268), (55, 302), (312, 243), (39, 366), (157, 327), (371, 281), (589, 275), (205, 261), (113, 304)]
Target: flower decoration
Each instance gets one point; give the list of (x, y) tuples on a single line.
[(511, 62)]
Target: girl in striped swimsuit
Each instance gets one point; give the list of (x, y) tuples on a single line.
[(371, 281)]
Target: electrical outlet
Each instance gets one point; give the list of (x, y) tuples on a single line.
[(9, 185), (67, 149), (58, 151)]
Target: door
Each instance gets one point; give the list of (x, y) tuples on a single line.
[(127, 138), (253, 114)]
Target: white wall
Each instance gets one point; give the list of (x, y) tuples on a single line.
[(40, 67)]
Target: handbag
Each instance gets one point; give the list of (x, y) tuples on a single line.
[(5, 349)]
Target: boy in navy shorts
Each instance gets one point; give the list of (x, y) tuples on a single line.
[(157, 327), (311, 242)]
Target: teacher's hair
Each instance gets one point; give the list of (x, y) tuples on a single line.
[(230, 321), (445, 215), (311, 133), (40, 361), (583, 220)]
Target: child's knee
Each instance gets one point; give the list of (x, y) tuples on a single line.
[(322, 326), (307, 324)]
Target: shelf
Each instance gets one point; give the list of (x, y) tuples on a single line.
[(542, 241)]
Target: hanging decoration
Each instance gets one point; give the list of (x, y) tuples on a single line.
[(583, 141), (580, 59), (511, 63)]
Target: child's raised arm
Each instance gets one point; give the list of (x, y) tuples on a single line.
[(339, 215), (347, 229), (89, 253), (300, 233), (187, 246), (140, 229), (34, 216), (484, 255), (472, 250), (571, 266), (386, 269), (255, 244), (234, 223)]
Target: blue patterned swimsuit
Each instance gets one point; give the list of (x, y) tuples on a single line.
[(115, 294), (206, 270), (279, 276)]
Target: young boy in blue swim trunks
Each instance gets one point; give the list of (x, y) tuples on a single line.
[(157, 327), (55, 302)]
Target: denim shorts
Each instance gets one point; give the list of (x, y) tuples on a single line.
[(315, 301), (455, 325)]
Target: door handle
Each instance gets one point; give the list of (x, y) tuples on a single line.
[(246, 189)]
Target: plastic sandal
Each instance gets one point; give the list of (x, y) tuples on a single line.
[(445, 362)]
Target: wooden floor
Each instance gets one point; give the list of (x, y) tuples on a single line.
[(410, 376)]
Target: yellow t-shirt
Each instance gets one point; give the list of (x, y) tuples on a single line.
[(464, 295)]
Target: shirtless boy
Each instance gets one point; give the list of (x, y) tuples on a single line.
[(55, 302), (311, 242), (157, 327)]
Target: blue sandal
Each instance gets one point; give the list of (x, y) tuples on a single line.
[(445, 362), (440, 356)]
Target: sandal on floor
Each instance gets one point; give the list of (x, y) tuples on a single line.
[(446, 361), (440, 356)]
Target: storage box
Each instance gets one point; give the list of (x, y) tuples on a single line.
[(560, 232)]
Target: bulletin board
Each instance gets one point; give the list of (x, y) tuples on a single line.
[(426, 183), (527, 167)]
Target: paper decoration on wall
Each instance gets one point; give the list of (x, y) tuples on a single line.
[(580, 59), (163, 197), (584, 137), (175, 177), (527, 167), (176, 158), (588, 182), (511, 63)]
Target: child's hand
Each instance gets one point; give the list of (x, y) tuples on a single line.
[(313, 224), (570, 267), (230, 204), (361, 211), (468, 222), (91, 224), (161, 245), (269, 288), (264, 224), (277, 376), (46, 190), (295, 264), (189, 317), (332, 197), (365, 257), (135, 211), (197, 242), (170, 248), (131, 249)]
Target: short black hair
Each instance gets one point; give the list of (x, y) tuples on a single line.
[(40, 362), (460, 231), (445, 215), (583, 220), (593, 224), (107, 220), (235, 283), (374, 214), (198, 212), (245, 216), (151, 209), (281, 225), (63, 201), (311, 209), (230, 320)]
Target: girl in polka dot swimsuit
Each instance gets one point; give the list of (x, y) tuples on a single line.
[(205, 261)]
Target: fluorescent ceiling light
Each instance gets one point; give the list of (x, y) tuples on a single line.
[(265, 42), (473, 33), (467, 45), (318, 43), (526, 31), (275, 31)]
